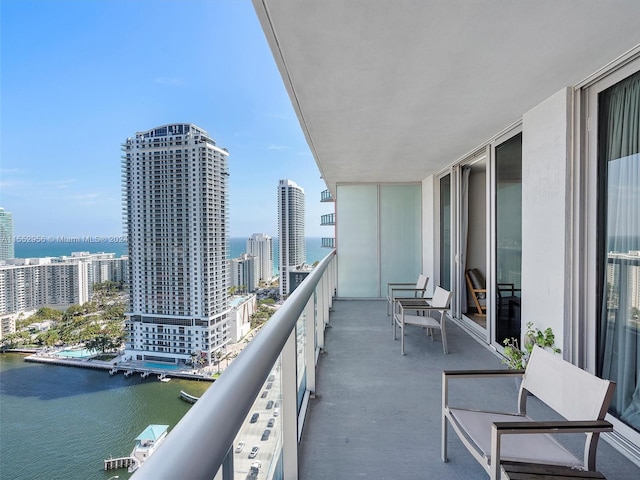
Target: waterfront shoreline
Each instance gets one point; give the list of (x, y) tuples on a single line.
[(113, 367)]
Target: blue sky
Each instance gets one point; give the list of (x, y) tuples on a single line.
[(79, 77)]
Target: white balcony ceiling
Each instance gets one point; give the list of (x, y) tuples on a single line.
[(395, 90)]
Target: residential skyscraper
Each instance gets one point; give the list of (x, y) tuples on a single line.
[(176, 204), (292, 254), (6, 235), (261, 245), (244, 272)]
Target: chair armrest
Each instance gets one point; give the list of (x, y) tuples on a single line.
[(545, 427), (400, 284), (406, 290), (552, 426), (481, 373), (419, 305)]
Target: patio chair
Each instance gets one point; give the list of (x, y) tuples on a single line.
[(478, 289), (405, 290), (431, 315)]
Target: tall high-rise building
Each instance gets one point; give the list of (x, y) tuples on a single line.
[(292, 254), (176, 202), (6, 235), (260, 245), (244, 273)]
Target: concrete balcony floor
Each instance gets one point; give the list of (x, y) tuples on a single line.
[(377, 413)]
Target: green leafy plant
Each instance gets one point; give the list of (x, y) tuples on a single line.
[(516, 357)]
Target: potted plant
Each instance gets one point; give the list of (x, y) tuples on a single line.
[(516, 358)]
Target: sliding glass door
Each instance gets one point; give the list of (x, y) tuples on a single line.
[(508, 239), (618, 160), (445, 232)]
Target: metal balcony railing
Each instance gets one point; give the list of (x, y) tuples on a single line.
[(328, 242), (326, 196), (283, 355), (328, 219)]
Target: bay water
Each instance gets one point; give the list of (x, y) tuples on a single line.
[(62, 422)]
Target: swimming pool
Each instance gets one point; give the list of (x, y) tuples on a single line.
[(78, 353), (160, 366)]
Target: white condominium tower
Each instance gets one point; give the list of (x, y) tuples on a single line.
[(176, 220), (261, 245), (291, 244)]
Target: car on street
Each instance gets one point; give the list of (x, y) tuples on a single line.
[(269, 385), (272, 378), (264, 394), (265, 435), (254, 451), (276, 412), (269, 404), (271, 422), (254, 417), (239, 447)]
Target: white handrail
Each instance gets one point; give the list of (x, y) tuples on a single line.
[(197, 446)]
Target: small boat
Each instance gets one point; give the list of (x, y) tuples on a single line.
[(163, 378), (188, 398)]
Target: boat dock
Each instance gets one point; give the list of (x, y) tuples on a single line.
[(121, 462), (113, 369)]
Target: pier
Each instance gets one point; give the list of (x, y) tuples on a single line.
[(127, 368), (121, 462)]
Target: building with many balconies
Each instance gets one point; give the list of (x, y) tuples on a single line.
[(176, 221), (6, 235), (244, 273), (291, 242)]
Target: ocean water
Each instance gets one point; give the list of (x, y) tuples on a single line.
[(33, 247)]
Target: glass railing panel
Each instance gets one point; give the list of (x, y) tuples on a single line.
[(257, 445), (301, 342), (203, 443)]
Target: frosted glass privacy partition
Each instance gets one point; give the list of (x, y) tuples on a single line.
[(357, 233), (379, 238), (400, 234)]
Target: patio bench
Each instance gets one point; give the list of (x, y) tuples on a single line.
[(582, 399)]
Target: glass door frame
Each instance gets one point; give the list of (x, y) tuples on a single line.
[(492, 240), (583, 348), (460, 251)]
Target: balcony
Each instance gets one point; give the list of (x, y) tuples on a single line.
[(328, 242), (326, 196), (328, 219), (366, 412)]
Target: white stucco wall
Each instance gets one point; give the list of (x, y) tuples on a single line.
[(545, 213), (429, 231)]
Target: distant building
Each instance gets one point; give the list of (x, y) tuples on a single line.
[(7, 325), (57, 282), (33, 283), (291, 242), (6, 235), (176, 202), (261, 246), (244, 272), (242, 307)]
